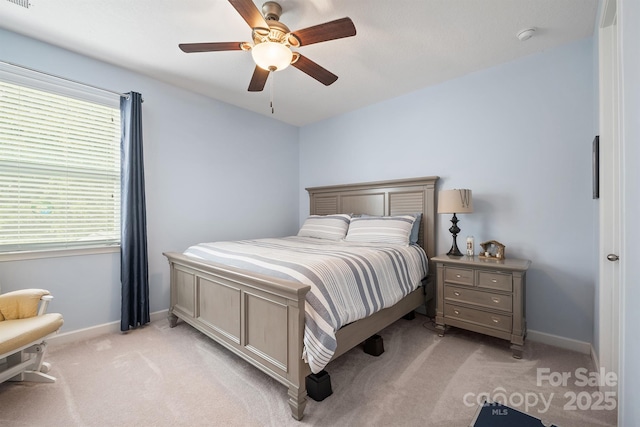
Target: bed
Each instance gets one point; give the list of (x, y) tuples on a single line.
[(261, 317)]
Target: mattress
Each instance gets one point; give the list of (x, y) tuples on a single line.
[(349, 281)]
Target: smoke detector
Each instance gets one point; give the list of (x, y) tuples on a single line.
[(525, 34)]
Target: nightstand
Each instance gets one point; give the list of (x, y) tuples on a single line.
[(483, 295)]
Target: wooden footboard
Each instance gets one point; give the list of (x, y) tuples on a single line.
[(259, 318)]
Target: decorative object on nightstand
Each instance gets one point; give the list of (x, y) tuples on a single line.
[(492, 249), (470, 246), (483, 295), (454, 202)]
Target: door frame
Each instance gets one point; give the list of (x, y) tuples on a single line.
[(610, 223)]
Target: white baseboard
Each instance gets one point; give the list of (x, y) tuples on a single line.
[(114, 327), (594, 357), (562, 342), (95, 331)]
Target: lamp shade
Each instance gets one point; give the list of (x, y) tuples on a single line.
[(455, 201), (271, 56)]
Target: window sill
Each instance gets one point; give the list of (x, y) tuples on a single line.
[(27, 255)]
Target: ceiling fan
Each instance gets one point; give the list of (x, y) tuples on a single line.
[(272, 43)]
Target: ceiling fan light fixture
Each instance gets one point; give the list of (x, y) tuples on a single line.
[(272, 56)]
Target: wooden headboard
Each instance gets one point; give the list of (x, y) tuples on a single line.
[(403, 196)]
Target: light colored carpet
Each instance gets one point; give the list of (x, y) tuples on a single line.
[(158, 376)]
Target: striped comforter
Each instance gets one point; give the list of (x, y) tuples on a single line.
[(349, 281)]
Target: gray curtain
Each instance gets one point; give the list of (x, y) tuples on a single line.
[(134, 273)]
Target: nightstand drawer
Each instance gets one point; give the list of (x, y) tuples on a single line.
[(494, 280), (479, 317), (459, 276), (480, 298)]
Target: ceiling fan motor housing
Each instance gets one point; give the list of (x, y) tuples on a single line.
[(271, 11), (277, 33)]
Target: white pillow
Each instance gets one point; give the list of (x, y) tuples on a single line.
[(381, 229), (330, 227)]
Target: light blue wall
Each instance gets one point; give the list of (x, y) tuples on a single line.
[(209, 176), (519, 135)]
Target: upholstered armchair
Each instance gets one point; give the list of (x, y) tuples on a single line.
[(24, 325)]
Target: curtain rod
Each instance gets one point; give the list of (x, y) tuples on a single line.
[(126, 95)]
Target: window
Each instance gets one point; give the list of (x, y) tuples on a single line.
[(59, 163)]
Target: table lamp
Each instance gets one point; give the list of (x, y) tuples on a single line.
[(453, 202)]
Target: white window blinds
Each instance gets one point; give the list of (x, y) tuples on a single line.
[(59, 170)]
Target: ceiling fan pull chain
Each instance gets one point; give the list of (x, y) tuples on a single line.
[(273, 75)]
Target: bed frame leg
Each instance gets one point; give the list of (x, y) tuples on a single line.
[(297, 402), (173, 320), (318, 386), (374, 345), (410, 316)]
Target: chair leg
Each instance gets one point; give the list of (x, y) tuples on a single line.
[(27, 365), (34, 377), (39, 350)]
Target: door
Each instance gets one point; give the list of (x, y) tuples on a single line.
[(610, 199)]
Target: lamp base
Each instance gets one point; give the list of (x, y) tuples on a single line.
[(454, 251)]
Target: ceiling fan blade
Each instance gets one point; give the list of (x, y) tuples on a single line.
[(258, 80), (209, 47), (250, 13), (314, 70), (332, 30)]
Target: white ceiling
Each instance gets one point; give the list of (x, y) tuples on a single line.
[(400, 46)]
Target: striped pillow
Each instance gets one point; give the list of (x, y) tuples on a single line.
[(330, 227), (381, 229)]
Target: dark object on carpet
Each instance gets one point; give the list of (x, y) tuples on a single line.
[(498, 415), (374, 345), (410, 315), (318, 386)]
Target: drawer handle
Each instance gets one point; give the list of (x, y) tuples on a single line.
[(496, 300), (458, 276), (456, 293), (495, 320), (456, 311), (494, 280)]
